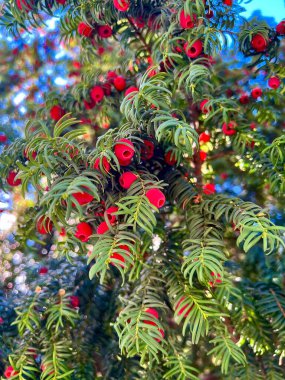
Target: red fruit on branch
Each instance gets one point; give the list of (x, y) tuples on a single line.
[(85, 30), (228, 2), (182, 309), (186, 21), (256, 92), (110, 214), (259, 43), (204, 138), (203, 155), (280, 28), (244, 99), (43, 271), (111, 75), (3, 138), (83, 198), (122, 5), (124, 150), (138, 21), (97, 93), (11, 179), (126, 179), (104, 163), (83, 231), (44, 225), (105, 31), (193, 50), (10, 372), (56, 112), (217, 279), (147, 150), (120, 257), (119, 83), (274, 82), (74, 301), (156, 197), (162, 333), (102, 228), (27, 5), (62, 2), (229, 128), (154, 313), (131, 90), (89, 105), (169, 158), (203, 107), (209, 188)]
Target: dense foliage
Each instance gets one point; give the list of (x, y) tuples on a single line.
[(158, 177)]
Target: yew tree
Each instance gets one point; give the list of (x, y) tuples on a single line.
[(159, 180)]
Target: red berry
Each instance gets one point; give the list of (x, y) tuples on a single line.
[(83, 231), (203, 155), (122, 5), (156, 197), (27, 5), (11, 179), (74, 301), (89, 105), (147, 150), (256, 92), (43, 270), (126, 179), (119, 83), (104, 31), (228, 2), (162, 333), (27, 154), (229, 129), (62, 231), (204, 138), (210, 14), (186, 21), (44, 225), (104, 162), (258, 43), (10, 372), (120, 257), (131, 90), (194, 50), (3, 138), (110, 214), (85, 29), (209, 188), (169, 158), (62, 2), (154, 314), (56, 112), (203, 107), (224, 176), (244, 99), (139, 22), (280, 28), (124, 150), (83, 198), (274, 82), (181, 309), (97, 93), (102, 228), (111, 76), (1, 321)]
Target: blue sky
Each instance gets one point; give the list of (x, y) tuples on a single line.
[(269, 8)]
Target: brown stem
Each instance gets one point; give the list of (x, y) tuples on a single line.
[(278, 303), (140, 35)]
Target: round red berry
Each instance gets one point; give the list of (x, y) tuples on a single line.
[(280, 28), (105, 31), (209, 188), (44, 225), (229, 128), (122, 5), (120, 83), (256, 92), (126, 179), (85, 29), (56, 112), (274, 82), (83, 231), (97, 93), (102, 228), (186, 21), (193, 50), (156, 197), (124, 150), (11, 179), (259, 43), (170, 158)]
